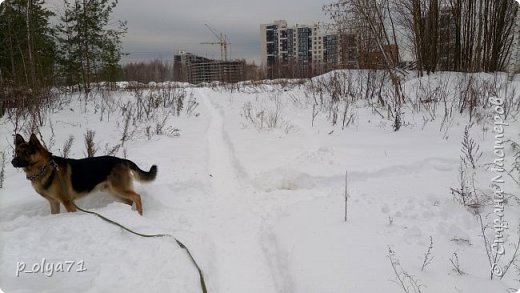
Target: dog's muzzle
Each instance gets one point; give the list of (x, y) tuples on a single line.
[(20, 163)]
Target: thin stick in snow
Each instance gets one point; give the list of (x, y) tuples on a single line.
[(346, 194)]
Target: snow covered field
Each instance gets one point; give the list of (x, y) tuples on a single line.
[(259, 200)]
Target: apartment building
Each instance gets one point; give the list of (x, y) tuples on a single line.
[(273, 43), (297, 49), (306, 50)]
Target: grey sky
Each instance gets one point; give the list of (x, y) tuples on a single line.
[(157, 28)]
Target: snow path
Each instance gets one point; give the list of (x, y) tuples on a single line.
[(236, 227)]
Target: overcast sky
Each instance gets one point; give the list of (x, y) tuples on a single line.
[(157, 28)]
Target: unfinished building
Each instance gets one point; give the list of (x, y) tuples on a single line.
[(196, 69)]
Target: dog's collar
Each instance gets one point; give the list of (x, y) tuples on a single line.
[(42, 170)]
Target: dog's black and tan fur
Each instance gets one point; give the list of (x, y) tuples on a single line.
[(61, 180)]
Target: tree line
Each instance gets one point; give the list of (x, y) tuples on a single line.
[(40, 48), (77, 45), (155, 70), (456, 35), (81, 44)]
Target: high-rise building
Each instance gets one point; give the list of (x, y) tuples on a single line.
[(306, 50), (330, 51), (273, 42), (300, 49)]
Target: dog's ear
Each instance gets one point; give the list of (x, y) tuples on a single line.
[(18, 139), (33, 141)]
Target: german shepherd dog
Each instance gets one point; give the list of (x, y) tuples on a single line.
[(61, 180)]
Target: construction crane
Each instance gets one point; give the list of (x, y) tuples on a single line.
[(222, 41)]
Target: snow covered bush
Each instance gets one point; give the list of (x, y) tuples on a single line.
[(67, 145), (467, 193), (266, 113), (407, 282), (90, 145)]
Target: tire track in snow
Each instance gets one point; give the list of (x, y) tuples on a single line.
[(235, 227)]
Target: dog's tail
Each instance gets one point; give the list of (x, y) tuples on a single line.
[(141, 175)]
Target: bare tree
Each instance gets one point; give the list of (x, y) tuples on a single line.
[(367, 21), (460, 35)]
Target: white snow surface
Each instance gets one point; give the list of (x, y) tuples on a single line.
[(261, 210)]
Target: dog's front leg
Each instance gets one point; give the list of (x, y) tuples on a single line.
[(55, 206)]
